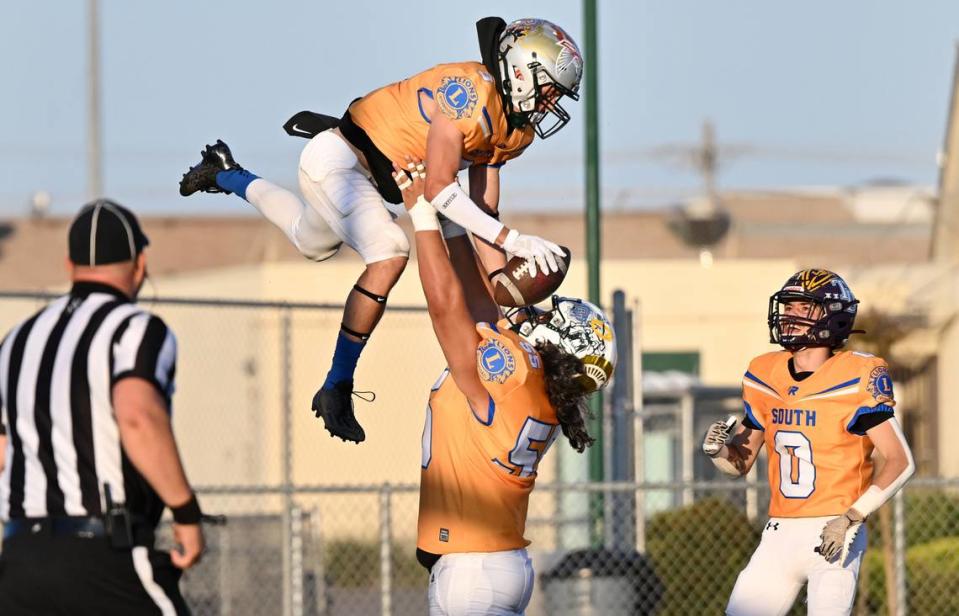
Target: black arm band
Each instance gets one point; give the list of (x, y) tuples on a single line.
[(187, 513)]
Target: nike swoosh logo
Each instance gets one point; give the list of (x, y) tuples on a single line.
[(296, 129)]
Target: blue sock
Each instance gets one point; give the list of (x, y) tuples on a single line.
[(345, 356), (235, 180)]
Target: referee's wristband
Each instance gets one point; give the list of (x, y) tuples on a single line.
[(188, 513)]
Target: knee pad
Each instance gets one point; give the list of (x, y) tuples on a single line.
[(389, 242), (314, 239), (318, 254)]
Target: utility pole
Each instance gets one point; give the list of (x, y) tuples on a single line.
[(703, 223), (593, 226), (579, 512), (94, 150), (945, 248), (707, 160)]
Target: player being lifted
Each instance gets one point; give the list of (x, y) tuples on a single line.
[(466, 115), (821, 411), (514, 387)]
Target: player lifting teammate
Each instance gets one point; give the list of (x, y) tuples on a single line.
[(454, 116), (821, 411), (514, 387)]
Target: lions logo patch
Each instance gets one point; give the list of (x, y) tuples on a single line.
[(457, 97), (880, 385), (496, 363)]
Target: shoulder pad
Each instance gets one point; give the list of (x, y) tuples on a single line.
[(458, 96), (762, 363)]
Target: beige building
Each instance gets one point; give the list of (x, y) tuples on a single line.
[(232, 360)]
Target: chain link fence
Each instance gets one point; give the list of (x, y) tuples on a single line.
[(315, 526), (688, 565)]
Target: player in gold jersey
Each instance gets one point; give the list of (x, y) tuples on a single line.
[(509, 390), (465, 115), (821, 412)]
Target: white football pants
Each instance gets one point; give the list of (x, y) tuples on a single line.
[(785, 560), (342, 206), (341, 191), (481, 584)]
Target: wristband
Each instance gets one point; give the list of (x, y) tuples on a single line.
[(188, 513), (424, 216), (874, 497)]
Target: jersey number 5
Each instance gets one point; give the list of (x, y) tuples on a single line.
[(534, 439), (797, 473)]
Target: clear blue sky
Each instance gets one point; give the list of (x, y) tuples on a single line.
[(824, 93)]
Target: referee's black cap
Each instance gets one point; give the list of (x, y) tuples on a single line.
[(105, 232)]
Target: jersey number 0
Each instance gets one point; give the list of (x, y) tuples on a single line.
[(797, 473)]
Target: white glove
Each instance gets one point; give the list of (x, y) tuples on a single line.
[(717, 435), (837, 536), (535, 250)]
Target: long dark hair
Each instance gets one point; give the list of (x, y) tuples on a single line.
[(567, 393)]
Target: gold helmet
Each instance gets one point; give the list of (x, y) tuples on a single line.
[(535, 54)]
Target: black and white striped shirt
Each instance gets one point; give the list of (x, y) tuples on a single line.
[(57, 370)]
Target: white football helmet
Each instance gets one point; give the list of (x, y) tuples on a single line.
[(534, 54), (580, 328)]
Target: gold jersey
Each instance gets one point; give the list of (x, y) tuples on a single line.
[(819, 457), (479, 465), (396, 120)]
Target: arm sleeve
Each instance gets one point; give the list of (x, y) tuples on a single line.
[(876, 400), (146, 348)]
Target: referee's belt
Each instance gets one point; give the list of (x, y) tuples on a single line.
[(86, 527)]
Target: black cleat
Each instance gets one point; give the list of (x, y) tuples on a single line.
[(335, 406), (202, 176)]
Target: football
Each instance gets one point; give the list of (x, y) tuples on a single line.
[(513, 286)]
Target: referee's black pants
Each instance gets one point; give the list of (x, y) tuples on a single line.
[(64, 574)]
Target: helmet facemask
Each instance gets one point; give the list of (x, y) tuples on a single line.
[(545, 102), (824, 322)]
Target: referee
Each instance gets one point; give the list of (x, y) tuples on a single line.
[(89, 458)]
